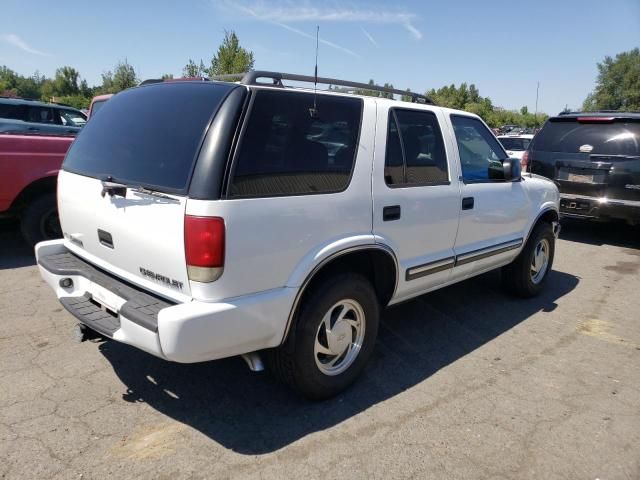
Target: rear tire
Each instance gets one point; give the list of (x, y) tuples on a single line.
[(39, 220), (526, 275), (333, 338)]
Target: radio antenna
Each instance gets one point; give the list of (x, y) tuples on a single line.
[(313, 112)]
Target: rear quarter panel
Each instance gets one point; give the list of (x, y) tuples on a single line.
[(27, 158)]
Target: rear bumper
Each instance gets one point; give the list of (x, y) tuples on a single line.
[(187, 332), (579, 206)]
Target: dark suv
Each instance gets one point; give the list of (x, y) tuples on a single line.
[(22, 115), (594, 158)]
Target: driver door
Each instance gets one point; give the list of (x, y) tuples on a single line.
[(494, 211)]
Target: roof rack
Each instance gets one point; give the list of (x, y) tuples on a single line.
[(252, 77)]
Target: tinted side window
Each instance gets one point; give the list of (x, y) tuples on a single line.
[(40, 115), (415, 149), (481, 155), (13, 112), (286, 151)]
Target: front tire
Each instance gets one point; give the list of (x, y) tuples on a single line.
[(526, 275), (335, 333)]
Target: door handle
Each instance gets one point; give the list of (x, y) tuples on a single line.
[(467, 203), (392, 212)]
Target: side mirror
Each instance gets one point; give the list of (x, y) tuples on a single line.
[(512, 170)]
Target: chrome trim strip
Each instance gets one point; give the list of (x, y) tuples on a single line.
[(602, 200), (488, 252), (322, 263), (429, 268)]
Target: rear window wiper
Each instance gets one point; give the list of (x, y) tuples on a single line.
[(120, 190)]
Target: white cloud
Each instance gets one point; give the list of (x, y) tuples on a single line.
[(274, 21), (16, 41), (290, 13), (370, 37)]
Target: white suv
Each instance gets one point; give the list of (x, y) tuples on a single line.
[(204, 220)]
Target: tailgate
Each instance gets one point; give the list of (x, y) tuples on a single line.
[(139, 237), (144, 144)]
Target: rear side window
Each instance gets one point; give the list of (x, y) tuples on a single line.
[(287, 151), (13, 112), (571, 136), (480, 153), (40, 115), (415, 150), (148, 136)]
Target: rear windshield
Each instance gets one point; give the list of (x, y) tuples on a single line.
[(517, 144), (618, 138), (147, 136)]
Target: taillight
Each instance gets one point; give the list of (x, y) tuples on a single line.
[(524, 161), (204, 247)]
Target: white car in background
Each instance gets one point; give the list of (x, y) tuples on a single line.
[(516, 145)]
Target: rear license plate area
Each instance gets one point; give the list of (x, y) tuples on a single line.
[(579, 175), (575, 205)]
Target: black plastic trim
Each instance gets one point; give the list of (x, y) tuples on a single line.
[(207, 177), (140, 307), (486, 252), (438, 266)]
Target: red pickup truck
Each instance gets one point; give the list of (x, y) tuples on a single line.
[(29, 165)]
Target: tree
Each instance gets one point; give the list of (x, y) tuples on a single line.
[(123, 77), (524, 110), (618, 84), (192, 69), (167, 76), (65, 82), (231, 57)]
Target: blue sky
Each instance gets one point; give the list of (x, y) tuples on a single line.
[(504, 47)]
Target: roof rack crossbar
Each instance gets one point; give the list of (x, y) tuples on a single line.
[(252, 77)]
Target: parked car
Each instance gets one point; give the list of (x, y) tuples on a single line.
[(29, 165), (250, 240), (21, 115), (595, 160), (97, 103), (516, 145)]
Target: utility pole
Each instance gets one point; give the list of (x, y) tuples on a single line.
[(535, 115)]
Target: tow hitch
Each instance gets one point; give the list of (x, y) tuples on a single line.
[(82, 333)]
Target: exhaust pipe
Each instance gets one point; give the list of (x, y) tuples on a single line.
[(254, 362)]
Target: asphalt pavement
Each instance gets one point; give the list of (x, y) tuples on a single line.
[(465, 382)]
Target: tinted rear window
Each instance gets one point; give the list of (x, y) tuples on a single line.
[(517, 144), (286, 151), (619, 138), (147, 136)]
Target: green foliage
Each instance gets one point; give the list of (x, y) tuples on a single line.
[(192, 69), (231, 57), (375, 93), (468, 98), (617, 85), (123, 77), (75, 101)]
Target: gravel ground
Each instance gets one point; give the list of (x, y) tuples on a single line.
[(465, 383)]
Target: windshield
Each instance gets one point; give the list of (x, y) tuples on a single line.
[(617, 138), (147, 136), (517, 144)]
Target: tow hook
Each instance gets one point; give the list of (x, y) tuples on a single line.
[(82, 333)]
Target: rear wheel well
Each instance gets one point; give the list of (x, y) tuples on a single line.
[(34, 190), (375, 264)]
